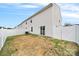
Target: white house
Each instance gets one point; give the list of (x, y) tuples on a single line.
[(48, 22), (45, 22)]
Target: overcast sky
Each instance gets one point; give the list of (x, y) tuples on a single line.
[(13, 14)]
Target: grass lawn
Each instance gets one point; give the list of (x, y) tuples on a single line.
[(35, 45)]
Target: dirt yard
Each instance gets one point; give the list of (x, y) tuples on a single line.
[(34, 45)]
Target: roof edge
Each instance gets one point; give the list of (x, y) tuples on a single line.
[(46, 7)]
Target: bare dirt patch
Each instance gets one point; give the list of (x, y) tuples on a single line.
[(34, 45)]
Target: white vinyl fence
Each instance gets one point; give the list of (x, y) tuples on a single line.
[(71, 33), (4, 33), (68, 33)]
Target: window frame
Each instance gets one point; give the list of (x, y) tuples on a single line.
[(32, 29), (30, 21)]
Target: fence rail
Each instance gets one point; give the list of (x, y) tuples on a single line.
[(4, 33)]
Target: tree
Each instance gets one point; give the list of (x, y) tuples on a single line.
[(68, 24)]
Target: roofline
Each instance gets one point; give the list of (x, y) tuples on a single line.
[(43, 9)]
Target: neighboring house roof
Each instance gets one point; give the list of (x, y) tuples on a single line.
[(76, 24), (71, 25)]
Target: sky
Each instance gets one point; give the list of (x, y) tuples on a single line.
[(12, 14), (69, 13)]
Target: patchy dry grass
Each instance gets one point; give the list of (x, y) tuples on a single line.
[(35, 45)]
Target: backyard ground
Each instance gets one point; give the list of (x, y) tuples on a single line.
[(34, 45)]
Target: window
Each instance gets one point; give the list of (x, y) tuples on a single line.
[(31, 29), (31, 21), (42, 30)]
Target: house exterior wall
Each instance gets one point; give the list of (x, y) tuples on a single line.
[(50, 18), (22, 26), (42, 19), (57, 25)]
